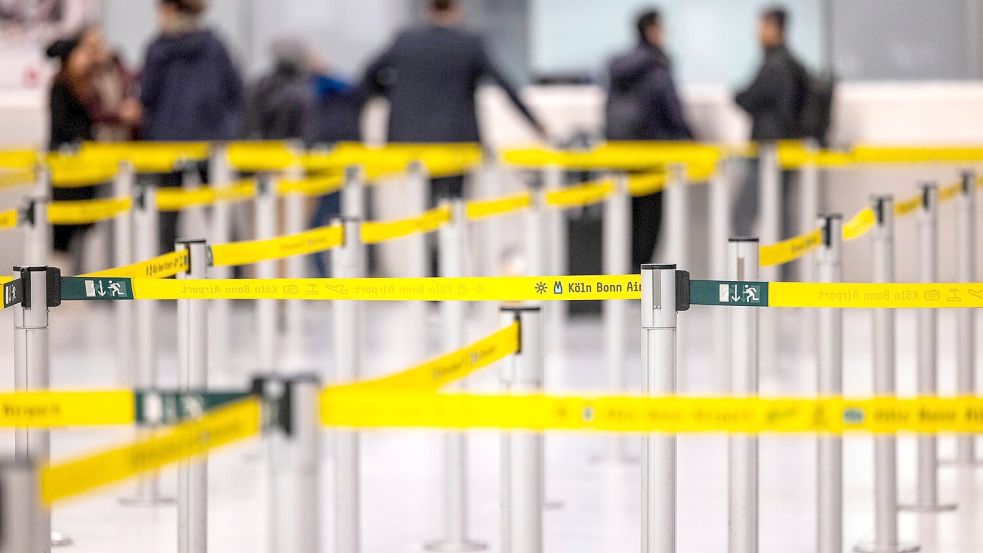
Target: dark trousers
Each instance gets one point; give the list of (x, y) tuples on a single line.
[(746, 206), (646, 223)]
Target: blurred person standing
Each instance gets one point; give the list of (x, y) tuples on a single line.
[(643, 104), (190, 89), (775, 102), (279, 104), (116, 89), (75, 109), (430, 75)]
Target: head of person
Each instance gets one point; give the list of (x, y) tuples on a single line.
[(93, 40), (771, 27), (447, 13), (649, 26), (290, 55), (176, 16), (75, 62)]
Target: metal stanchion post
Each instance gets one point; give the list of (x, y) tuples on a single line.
[(32, 371), (966, 243), (294, 220), (829, 346), (677, 214), (927, 494), (146, 244), (886, 538), (123, 255), (535, 229), (659, 310), (523, 486), (266, 310), (19, 493), (294, 467), (808, 207), (555, 260), (770, 199), (219, 311), (742, 477), (38, 232), (720, 188), (616, 253), (453, 245), (347, 262), (417, 259), (192, 487)]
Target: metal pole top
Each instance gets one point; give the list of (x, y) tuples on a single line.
[(883, 206), (659, 295), (930, 195)]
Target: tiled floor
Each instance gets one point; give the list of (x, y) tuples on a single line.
[(600, 502)]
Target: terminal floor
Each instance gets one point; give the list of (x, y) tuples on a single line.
[(599, 502)]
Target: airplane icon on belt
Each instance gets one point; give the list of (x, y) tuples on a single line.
[(976, 293)]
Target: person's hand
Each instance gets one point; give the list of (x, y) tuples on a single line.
[(130, 112)]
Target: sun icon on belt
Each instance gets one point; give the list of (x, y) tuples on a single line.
[(541, 288)]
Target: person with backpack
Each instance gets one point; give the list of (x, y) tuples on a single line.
[(643, 104), (775, 101)]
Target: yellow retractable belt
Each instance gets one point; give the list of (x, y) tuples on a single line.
[(645, 185), (303, 243), (162, 266), (176, 199), (311, 186), (547, 288), (348, 408), (860, 224), (585, 194), (83, 212), (53, 409), (451, 367), (221, 426), (908, 206), (791, 249), (18, 177), (8, 219), (486, 209), (25, 158), (374, 232)]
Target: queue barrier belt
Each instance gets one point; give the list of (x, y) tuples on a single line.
[(9, 219), (376, 232), (84, 212), (16, 177), (349, 408), (791, 249), (542, 288), (176, 199), (485, 209), (162, 266), (48, 409), (580, 195), (302, 243), (450, 367), (311, 186), (222, 426)]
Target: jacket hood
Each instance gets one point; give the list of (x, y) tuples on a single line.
[(186, 45)]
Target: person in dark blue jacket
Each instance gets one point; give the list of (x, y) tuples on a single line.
[(430, 76), (643, 105), (190, 89)]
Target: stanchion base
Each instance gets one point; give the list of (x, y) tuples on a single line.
[(874, 548), (927, 508), (60, 540), (147, 502), (454, 546)]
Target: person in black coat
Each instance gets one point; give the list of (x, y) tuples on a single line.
[(71, 123), (190, 90), (774, 101), (430, 75), (643, 105)]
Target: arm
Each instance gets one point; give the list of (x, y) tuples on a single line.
[(673, 108), (152, 78), (232, 80), (378, 75), (764, 91), (488, 69)]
